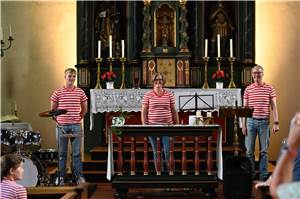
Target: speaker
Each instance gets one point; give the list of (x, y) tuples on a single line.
[(237, 177)]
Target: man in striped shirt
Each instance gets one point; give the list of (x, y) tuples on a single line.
[(158, 107), (12, 170), (261, 96), (74, 100)]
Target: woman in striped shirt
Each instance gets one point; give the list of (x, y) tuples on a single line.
[(12, 170), (158, 107)]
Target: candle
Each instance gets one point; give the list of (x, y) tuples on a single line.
[(99, 49), (15, 107), (10, 34), (219, 50), (231, 50), (123, 46), (205, 49), (110, 46)]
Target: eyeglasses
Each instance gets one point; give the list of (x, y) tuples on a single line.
[(158, 81), (257, 73)]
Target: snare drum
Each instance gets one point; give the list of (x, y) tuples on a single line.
[(7, 141), (32, 140)]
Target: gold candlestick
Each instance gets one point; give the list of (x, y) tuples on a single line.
[(231, 84), (110, 60), (123, 60), (205, 85), (98, 84), (219, 62)]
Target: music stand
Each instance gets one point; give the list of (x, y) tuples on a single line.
[(196, 102), (235, 111)]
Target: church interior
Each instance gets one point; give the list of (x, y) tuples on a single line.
[(190, 42)]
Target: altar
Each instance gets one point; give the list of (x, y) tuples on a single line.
[(130, 100)]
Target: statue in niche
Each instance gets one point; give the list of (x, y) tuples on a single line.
[(107, 23), (220, 24), (165, 30), (165, 26)]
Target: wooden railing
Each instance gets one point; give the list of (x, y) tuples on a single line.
[(196, 177)]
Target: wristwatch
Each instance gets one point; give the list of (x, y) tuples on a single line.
[(277, 123)]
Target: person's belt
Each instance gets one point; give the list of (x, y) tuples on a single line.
[(260, 118)]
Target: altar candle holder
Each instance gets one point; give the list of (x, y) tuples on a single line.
[(205, 85), (231, 84), (98, 84), (123, 60), (110, 60), (219, 59)]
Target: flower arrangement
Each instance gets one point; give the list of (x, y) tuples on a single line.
[(218, 76), (108, 76)]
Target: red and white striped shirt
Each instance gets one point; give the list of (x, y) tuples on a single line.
[(159, 107), (259, 97), (12, 190), (69, 99)]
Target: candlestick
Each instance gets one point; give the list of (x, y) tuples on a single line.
[(231, 50), (123, 48), (218, 41), (205, 49), (123, 60), (110, 46), (205, 85), (110, 60), (10, 33), (98, 84), (99, 49), (231, 84)]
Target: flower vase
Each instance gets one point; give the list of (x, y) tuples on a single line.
[(110, 85), (219, 85)]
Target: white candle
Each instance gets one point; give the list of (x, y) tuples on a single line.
[(99, 49), (10, 34), (110, 46), (219, 50), (123, 48), (231, 50), (205, 49)]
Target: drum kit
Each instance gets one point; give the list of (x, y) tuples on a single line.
[(27, 144)]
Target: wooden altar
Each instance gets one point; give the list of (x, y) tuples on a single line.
[(175, 177)]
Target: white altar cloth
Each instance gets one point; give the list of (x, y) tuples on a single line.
[(130, 100)]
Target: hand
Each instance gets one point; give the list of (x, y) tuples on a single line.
[(244, 130), (294, 134), (275, 128), (264, 184)]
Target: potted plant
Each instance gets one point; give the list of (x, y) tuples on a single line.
[(218, 77), (109, 77)]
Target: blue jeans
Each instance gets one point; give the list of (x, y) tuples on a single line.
[(63, 149), (262, 129), (165, 146)]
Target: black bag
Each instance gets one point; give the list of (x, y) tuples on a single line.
[(237, 177)]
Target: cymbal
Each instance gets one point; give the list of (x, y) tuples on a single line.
[(53, 113)]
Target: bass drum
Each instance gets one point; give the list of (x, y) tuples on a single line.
[(31, 172)]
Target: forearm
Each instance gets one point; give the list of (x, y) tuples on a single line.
[(144, 114), (84, 106), (283, 172)]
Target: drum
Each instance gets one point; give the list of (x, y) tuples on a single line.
[(32, 140), (30, 174), (7, 141), (47, 155)]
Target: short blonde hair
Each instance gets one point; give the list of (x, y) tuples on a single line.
[(70, 70), (257, 66)]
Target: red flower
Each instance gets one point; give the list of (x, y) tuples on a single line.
[(218, 76), (108, 76)]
